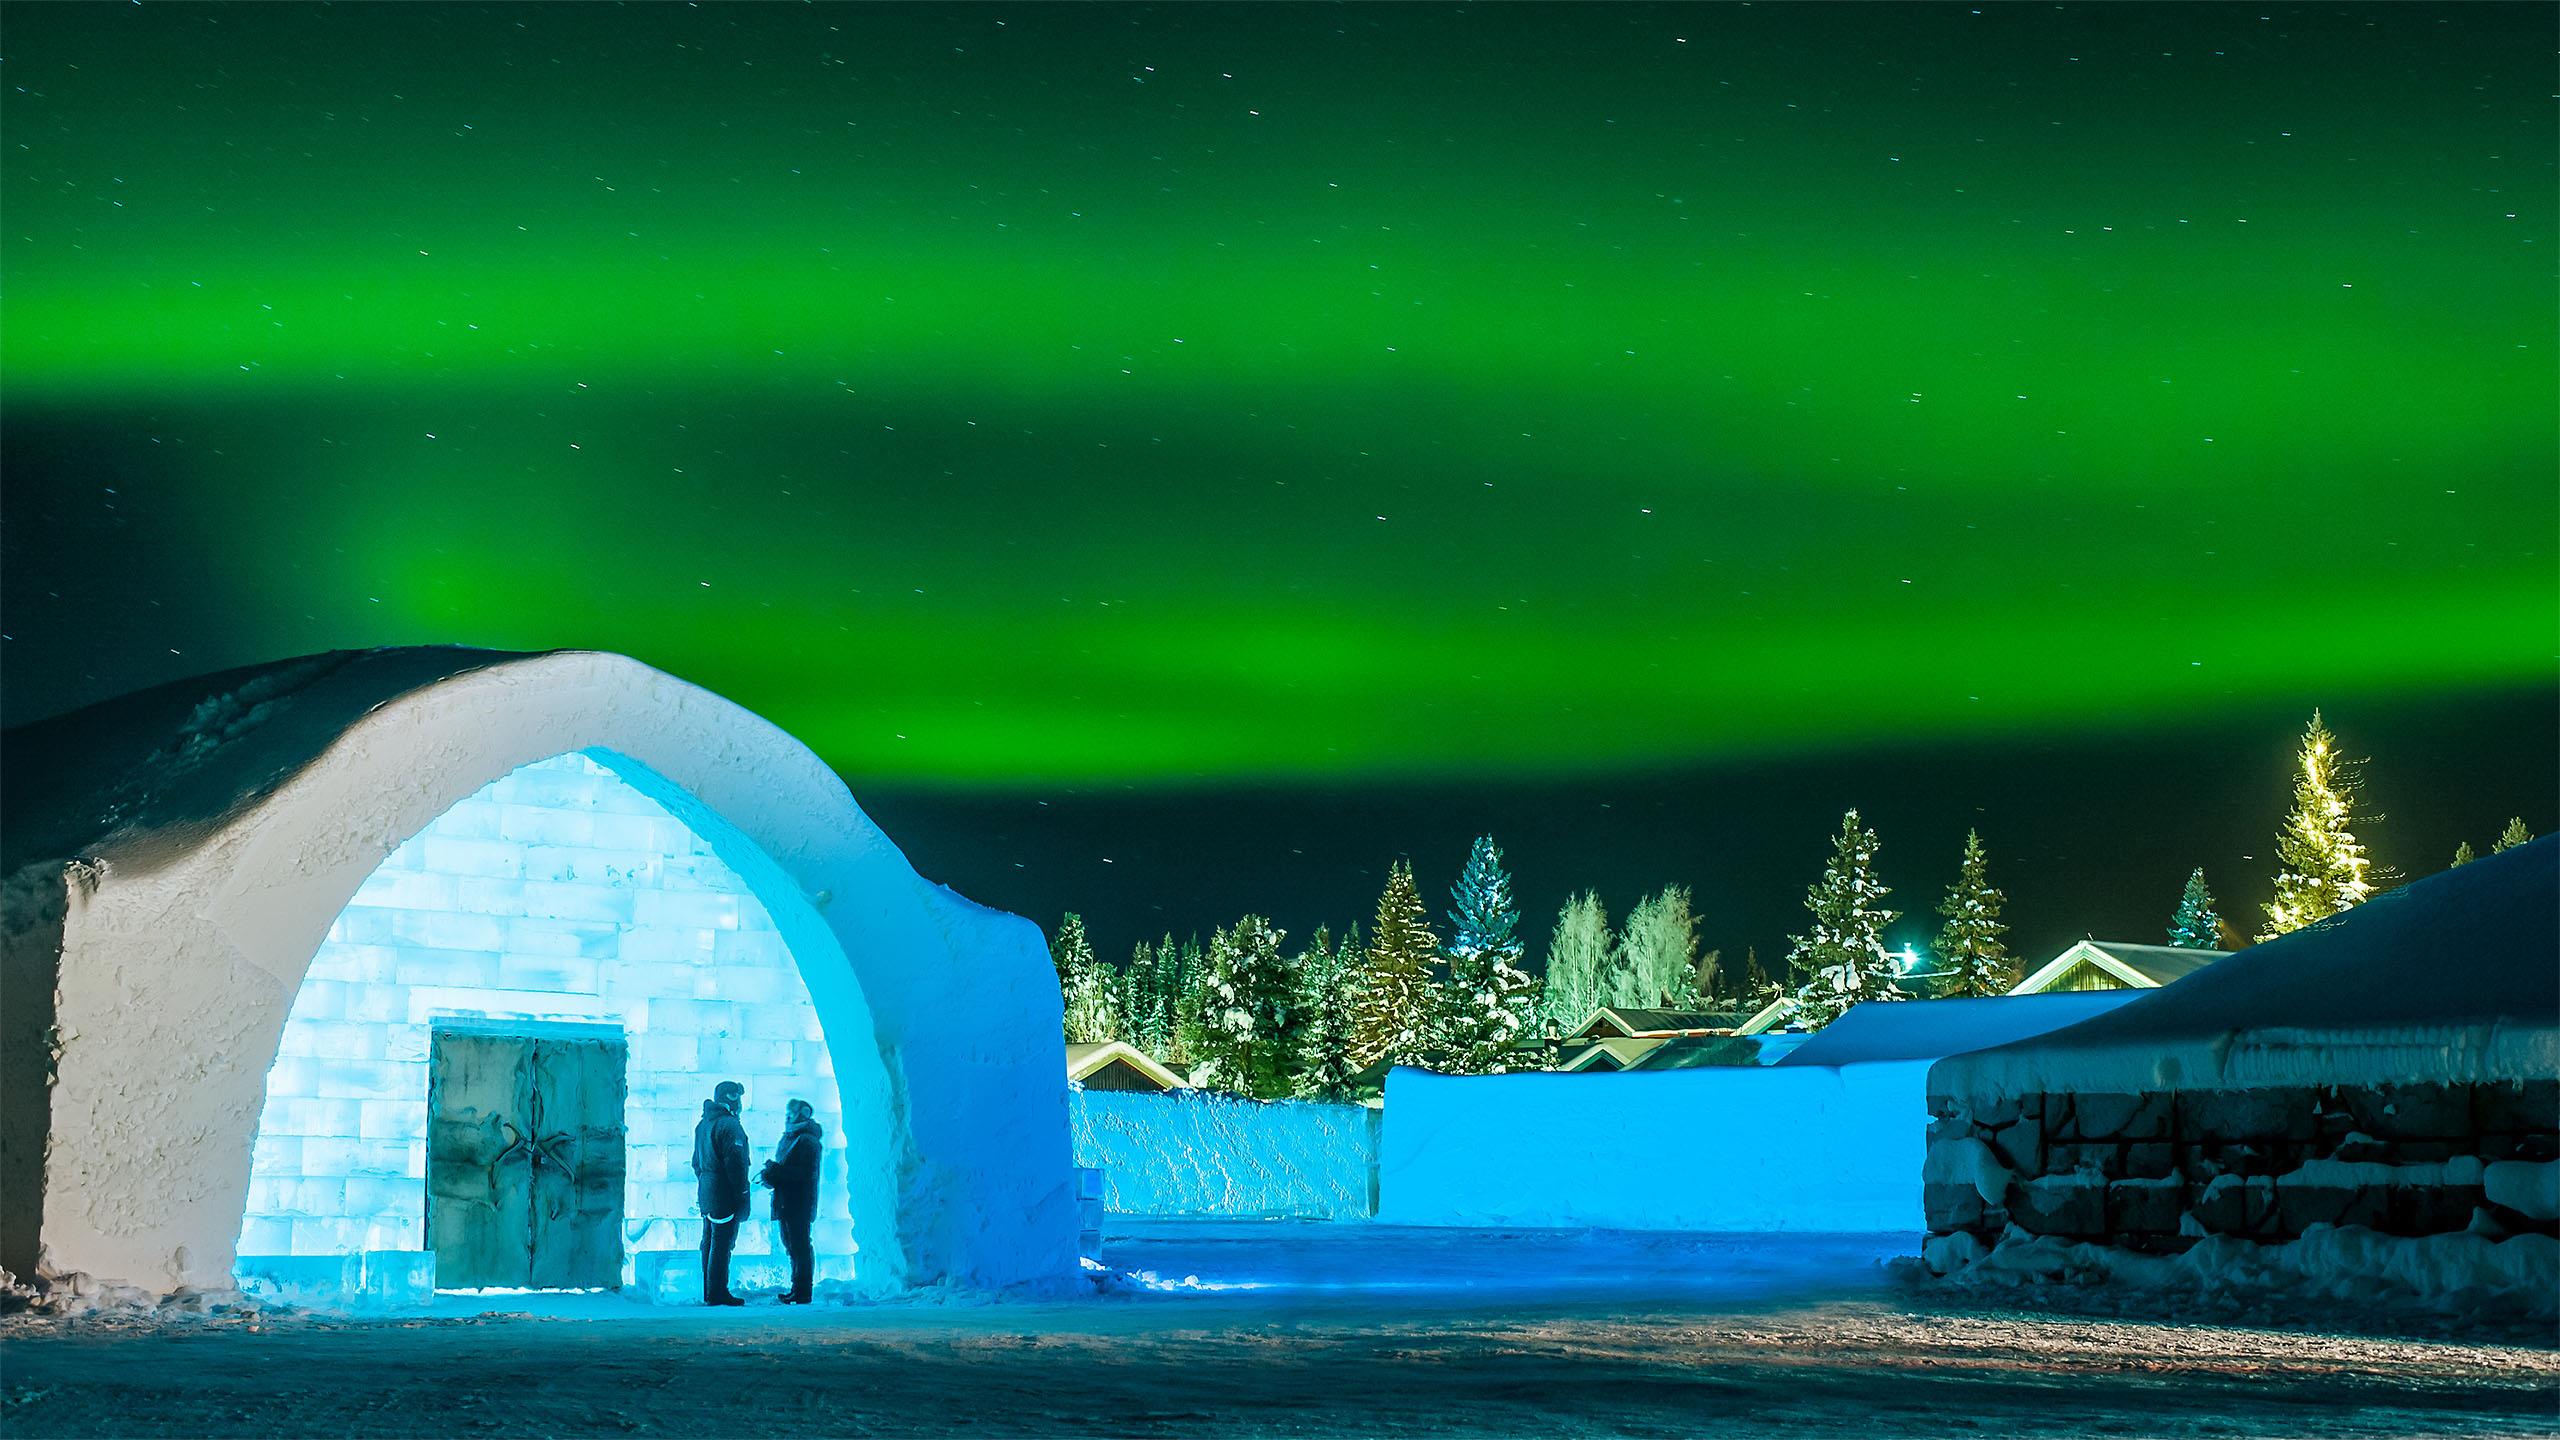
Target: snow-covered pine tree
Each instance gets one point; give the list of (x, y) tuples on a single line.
[(2463, 854), (1969, 943), (1395, 987), (1658, 950), (1143, 1020), (1578, 960), (1328, 998), (1842, 959), (1089, 989), (2324, 866), (2196, 926), (2514, 835), (1068, 946), (1185, 987), (1248, 996), (1490, 1002)]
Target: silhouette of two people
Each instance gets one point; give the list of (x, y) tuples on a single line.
[(720, 1181)]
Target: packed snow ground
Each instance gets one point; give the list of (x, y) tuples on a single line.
[(1281, 1328)]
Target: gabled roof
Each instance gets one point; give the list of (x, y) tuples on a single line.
[(1084, 1060), (1691, 1052), (1770, 1016), (2138, 967), (1632, 1021)]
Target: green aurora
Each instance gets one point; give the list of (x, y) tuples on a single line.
[(1001, 395)]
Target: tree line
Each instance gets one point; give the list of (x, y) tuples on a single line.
[(1248, 1014)]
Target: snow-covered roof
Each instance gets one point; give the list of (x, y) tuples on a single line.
[(1629, 1020), (1085, 1059), (2141, 967), (137, 774), (1932, 1029), (2453, 978), (1690, 1052)]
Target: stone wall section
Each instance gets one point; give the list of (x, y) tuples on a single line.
[(2158, 1171)]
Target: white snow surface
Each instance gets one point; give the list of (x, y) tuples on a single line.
[(1196, 1152), (1802, 1148), (203, 836), (2451, 979)]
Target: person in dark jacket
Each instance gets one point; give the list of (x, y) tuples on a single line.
[(793, 1175), (720, 1186)]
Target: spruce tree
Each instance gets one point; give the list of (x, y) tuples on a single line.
[(1092, 1001), (1490, 1002), (1842, 959), (1143, 1018), (1969, 943), (1069, 946), (2324, 866), (1659, 953), (2196, 926), (1186, 983), (2463, 854), (1578, 961), (1328, 998), (1248, 1010), (1395, 1001), (1758, 987), (2514, 835)]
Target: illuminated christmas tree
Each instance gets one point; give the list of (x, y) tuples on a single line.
[(1394, 1011), (2514, 835), (2325, 868)]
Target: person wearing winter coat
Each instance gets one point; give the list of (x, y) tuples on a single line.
[(720, 1186), (792, 1174)]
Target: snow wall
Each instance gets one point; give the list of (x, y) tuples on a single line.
[(1194, 1152), (1773, 1148)]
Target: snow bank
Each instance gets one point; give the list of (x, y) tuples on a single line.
[(2462, 1272), (1193, 1152), (1776, 1148)]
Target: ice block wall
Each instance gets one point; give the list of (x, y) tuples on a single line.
[(557, 893), (1797, 1148), (1193, 1152)]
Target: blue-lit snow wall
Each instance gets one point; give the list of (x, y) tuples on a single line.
[(559, 892), (1733, 1147), (1192, 1152)]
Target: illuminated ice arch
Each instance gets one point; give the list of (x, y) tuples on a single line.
[(559, 899), (188, 933)]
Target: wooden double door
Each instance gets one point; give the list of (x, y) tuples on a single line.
[(525, 1139)]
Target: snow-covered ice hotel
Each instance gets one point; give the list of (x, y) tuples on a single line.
[(378, 972)]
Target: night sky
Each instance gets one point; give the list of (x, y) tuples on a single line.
[(1174, 460)]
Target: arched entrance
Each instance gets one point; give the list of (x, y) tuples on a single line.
[(490, 1075), (229, 832)]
